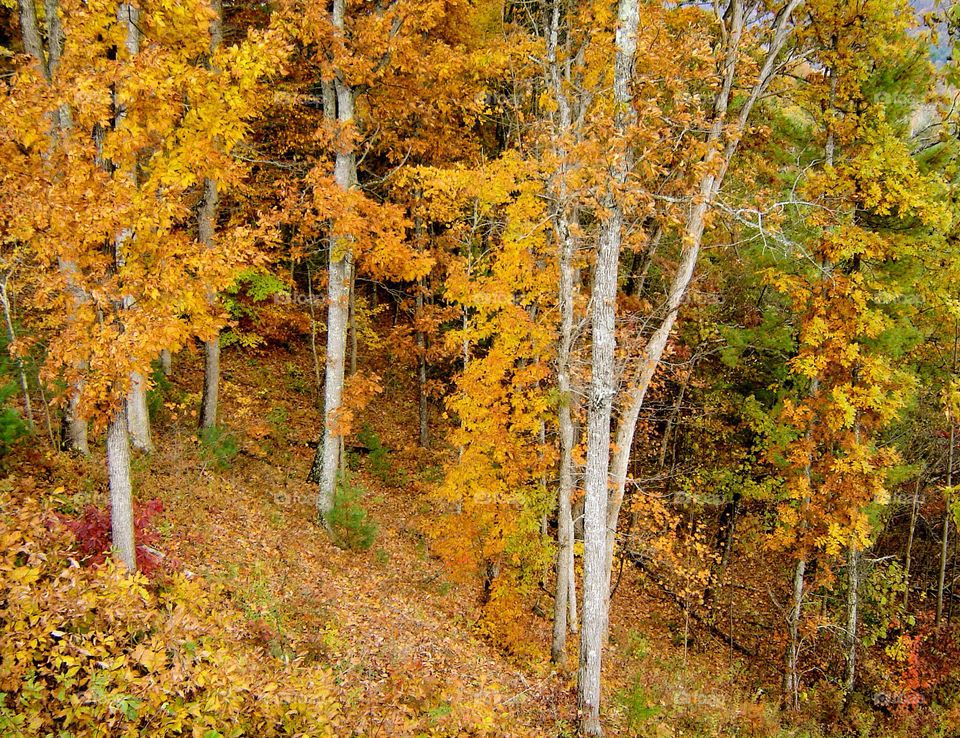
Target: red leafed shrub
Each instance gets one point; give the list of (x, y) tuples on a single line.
[(92, 531)]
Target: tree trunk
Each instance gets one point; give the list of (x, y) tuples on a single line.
[(853, 611), (565, 600), (422, 371), (341, 256), (909, 552), (353, 317), (138, 416), (74, 430), (318, 383), (121, 495), (73, 433), (791, 681), (211, 383), (692, 235), (596, 581), (166, 362), (207, 215)]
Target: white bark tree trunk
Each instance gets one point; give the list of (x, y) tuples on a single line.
[(121, 493), (338, 297), (853, 609), (565, 600), (791, 679), (138, 416), (602, 388), (692, 236), (74, 430)]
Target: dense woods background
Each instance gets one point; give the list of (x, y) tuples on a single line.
[(457, 367)]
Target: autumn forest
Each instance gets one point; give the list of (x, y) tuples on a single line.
[(479, 368)]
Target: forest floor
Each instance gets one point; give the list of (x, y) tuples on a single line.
[(399, 635)]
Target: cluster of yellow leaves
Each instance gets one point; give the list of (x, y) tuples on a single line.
[(103, 167), (93, 651), (837, 464), (501, 282)]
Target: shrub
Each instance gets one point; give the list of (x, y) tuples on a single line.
[(161, 390), (351, 525), (219, 446), (93, 651), (378, 458), (93, 535)]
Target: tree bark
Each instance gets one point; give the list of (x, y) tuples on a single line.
[(909, 552), (121, 494), (138, 416), (422, 373), (338, 298), (596, 582), (565, 600), (853, 612), (207, 215), (791, 681), (692, 234), (74, 430), (353, 317), (945, 540), (207, 223)]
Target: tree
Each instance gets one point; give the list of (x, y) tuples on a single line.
[(112, 204)]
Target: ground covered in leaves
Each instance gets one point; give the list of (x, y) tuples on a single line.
[(392, 638)]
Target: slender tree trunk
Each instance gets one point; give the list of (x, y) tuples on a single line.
[(909, 553), (207, 223), (565, 600), (692, 235), (138, 418), (74, 430), (596, 581), (791, 685), (353, 318), (792, 673), (166, 362), (945, 541), (341, 256), (121, 493), (318, 384), (422, 371), (853, 611), (207, 215)]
